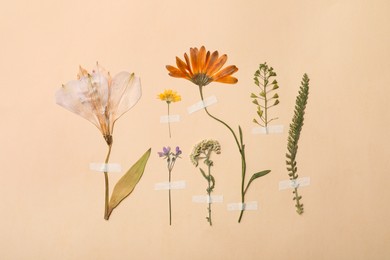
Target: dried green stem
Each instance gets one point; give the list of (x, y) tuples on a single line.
[(241, 149), (107, 187)]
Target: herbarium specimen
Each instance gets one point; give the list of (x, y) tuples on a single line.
[(169, 96), (103, 99), (202, 68), (171, 158), (266, 98), (293, 138), (203, 151)]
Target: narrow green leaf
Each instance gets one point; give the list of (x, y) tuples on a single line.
[(255, 176), (240, 131), (129, 180), (204, 174)]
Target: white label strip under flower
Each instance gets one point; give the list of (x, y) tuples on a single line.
[(206, 199), (174, 185), (169, 119), (273, 129), (105, 167), (291, 184), (252, 205), (200, 105)]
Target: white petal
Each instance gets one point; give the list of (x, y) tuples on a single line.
[(75, 97), (125, 93), (99, 91)]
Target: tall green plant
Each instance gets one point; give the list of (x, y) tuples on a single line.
[(293, 138)]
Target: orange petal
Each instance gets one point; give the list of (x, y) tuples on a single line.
[(213, 58), (202, 59), (194, 60), (181, 65), (206, 63), (229, 70), (175, 72), (227, 79), (217, 65), (188, 64)]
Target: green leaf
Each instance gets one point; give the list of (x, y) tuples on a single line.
[(241, 137), (204, 174), (253, 95), (260, 113), (255, 176), (129, 180)]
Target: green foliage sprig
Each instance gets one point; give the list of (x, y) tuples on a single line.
[(265, 99), (203, 151), (293, 138)]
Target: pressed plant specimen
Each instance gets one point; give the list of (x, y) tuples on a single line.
[(169, 96), (203, 151), (265, 98), (171, 158), (293, 138), (102, 100)]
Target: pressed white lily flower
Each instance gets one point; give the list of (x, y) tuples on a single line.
[(99, 98)]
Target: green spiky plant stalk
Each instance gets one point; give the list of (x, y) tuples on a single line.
[(293, 138), (265, 99)]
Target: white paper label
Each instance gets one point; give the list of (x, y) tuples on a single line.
[(200, 105), (105, 167), (207, 199), (252, 205), (273, 129), (174, 185), (291, 184), (169, 119)]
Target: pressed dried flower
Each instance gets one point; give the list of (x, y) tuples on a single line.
[(100, 98), (169, 96), (170, 157), (202, 151), (203, 68)]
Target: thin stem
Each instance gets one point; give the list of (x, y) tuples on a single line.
[(209, 192), (169, 122), (219, 120), (169, 190), (265, 100), (243, 190), (297, 199), (241, 148), (107, 188)]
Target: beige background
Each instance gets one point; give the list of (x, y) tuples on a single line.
[(52, 204)]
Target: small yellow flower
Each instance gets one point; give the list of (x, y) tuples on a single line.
[(169, 96)]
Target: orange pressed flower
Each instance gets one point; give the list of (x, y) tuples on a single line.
[(203, 67)]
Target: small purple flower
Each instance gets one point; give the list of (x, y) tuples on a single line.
[(178, 151), (165, 152)]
